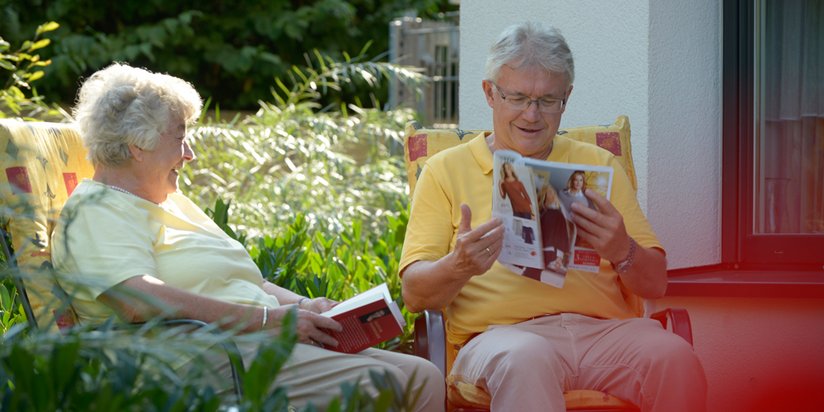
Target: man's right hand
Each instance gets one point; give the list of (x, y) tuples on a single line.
[(433, 284), (476, 249)]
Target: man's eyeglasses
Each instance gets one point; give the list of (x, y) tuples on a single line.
[(519, 102)]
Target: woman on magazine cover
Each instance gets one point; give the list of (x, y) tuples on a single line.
[(574, 191)]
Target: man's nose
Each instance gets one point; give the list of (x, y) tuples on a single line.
[(532, 110)]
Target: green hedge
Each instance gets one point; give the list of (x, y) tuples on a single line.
[(232, 51)]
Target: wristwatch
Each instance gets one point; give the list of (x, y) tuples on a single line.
[(624, 265)]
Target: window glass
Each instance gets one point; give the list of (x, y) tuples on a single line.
[(788, 175)]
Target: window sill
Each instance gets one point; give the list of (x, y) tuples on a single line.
[(746, 283)]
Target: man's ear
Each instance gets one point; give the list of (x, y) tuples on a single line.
[(487, 86)]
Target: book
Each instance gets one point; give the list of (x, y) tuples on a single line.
[(368, 318), (533, 198)]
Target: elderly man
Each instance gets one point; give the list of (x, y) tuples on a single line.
[(516, 334)]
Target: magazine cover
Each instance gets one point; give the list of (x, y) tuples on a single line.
[(533, 198)]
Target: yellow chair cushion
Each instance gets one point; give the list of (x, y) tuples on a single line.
[(467, 395), (421, 143), (40, 164)]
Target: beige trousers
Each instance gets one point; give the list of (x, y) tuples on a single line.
[(314, 375), (527, 366)]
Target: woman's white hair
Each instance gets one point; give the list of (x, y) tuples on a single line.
[(530, 44), (122, 105)]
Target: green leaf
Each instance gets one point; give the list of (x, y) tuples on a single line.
[(39, 44), (34, 76), (47, 27)]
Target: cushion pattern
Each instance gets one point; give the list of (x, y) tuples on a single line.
[(40, 165)]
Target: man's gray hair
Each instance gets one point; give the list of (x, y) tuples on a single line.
[(530, 44), (122, 105)]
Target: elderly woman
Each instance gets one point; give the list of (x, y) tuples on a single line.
[(141, 250)]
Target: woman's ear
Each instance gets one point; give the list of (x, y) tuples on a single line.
[(136, 152)]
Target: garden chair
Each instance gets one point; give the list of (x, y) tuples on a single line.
[(430, 335), (41, 165)]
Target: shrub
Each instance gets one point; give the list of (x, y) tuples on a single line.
[(18, 69), (230, 50)]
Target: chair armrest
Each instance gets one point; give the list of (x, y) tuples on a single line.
[(430, 338), (679, 318), (228, 345)]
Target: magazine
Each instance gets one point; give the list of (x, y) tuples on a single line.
[(533, 197), (367, 318)]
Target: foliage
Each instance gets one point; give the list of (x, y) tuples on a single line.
[(18, 69), (337, 265), (230, 50), (11, 311), (290, 158), (139, 370)]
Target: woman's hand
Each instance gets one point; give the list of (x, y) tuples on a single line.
[(317, 305), (310, 325)]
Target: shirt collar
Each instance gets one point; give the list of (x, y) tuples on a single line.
[(481, 153)]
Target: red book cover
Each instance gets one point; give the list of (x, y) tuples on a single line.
[(367, 319)]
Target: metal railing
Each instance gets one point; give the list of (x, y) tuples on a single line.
[(433, 47)]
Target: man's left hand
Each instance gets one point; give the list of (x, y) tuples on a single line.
[(602, 227)]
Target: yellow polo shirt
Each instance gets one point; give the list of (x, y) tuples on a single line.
[(463, 174), (105, 237)]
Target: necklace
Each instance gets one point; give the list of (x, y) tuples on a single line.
[(122, 190)]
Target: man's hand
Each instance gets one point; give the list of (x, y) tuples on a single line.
[(602, 228), (476, 249)]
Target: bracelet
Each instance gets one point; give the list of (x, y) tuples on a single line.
[(624, 265), (300, 301), (265, 317)]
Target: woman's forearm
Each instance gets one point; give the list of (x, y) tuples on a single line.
[(142, 298)]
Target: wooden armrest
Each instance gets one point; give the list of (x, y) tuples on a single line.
[(430, 338), (679, 318)]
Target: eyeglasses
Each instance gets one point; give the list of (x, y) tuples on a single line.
[(519, 102)]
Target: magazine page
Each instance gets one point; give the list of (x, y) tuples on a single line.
[(558, 186), (513, 201), (540, 240)]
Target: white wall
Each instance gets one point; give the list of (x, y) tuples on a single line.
[(658, 62)]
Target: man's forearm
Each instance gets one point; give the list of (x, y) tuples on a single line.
[(431, 285), (647, 276)]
